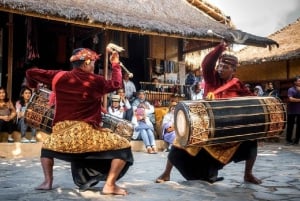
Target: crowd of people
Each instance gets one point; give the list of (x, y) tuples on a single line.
[(12, 115), (98, 154)]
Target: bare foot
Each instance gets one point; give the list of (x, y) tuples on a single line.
[(113, 190), (44, 186), (162, 178), (252, 179)]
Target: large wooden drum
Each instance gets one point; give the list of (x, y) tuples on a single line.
[(199, 123)]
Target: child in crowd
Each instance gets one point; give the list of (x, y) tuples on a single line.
[(115, 109), (144, 130), (168, 132), (21, 105)]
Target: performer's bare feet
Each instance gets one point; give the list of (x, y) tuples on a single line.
[(44, 186), (113, 190), (252, 179), (162, 178)]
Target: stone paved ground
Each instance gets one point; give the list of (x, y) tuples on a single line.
[(277, 165)]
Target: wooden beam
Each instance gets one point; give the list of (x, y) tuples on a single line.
[(210, 11)]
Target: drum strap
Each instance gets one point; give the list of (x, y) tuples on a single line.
[(226, 86), (52, 96)]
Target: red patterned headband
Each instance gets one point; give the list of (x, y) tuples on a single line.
[(85, 55)]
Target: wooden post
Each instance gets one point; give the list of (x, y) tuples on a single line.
[(10, 55), (105, 70)]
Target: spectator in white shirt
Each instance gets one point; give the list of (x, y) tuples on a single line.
[(197, 91), (115, 109)]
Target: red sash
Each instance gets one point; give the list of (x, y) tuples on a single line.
[(226, 86)]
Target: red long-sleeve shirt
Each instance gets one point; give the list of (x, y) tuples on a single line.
[(213, 80), (78, 93)]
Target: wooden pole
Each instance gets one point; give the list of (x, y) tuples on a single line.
[(105, 70), (10, 55)]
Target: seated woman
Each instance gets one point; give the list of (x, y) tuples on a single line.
[(144, 130), (124, 102), (197, 91), (141, 101), (21, 105), (7, 114), (168, 132)]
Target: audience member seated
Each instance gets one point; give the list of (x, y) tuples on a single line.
[(168, 131), (124, 102), (7, 114), (115, 109), (258, 91), (248, 86), (144, 130), (21, 105), (155, 86), (197, 91), (270, 90), (141, 101)]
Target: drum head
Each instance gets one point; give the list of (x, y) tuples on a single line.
[(182, 123)]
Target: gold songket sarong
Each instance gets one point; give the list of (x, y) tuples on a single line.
[(221, 152), (80, 137)]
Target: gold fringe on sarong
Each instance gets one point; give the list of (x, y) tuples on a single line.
[(80, 137), (221, 152)]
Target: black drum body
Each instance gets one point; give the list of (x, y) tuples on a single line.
[(120, 126), (200, 123)]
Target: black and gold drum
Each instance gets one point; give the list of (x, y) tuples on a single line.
[(201, 122), (120, 126), (38, 113)]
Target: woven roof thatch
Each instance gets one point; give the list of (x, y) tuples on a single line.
[(173, 18), (289, 47)]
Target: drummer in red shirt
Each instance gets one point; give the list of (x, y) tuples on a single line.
[(96, 154), (203, 163)]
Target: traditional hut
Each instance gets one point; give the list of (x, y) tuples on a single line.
[(148, 29), (279, 65)]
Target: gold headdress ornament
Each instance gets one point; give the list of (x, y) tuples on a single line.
[(85, 54)]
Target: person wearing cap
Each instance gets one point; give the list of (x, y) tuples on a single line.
[(115, 109), (203, 163), (95, 153), (144, 130)]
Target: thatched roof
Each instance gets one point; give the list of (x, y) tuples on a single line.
[(289, 47), (173, 18)]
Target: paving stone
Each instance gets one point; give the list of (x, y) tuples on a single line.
[(278, 166)]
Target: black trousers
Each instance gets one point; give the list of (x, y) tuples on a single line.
[(203, 166), (291, 119)]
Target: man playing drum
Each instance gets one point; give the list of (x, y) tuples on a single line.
[(95, 153), (203, 163)]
